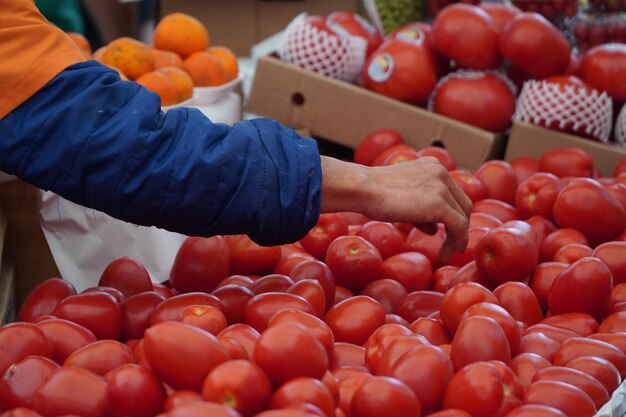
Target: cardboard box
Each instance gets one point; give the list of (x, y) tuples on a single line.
[(240, 24), (344, 113), (527, 139)]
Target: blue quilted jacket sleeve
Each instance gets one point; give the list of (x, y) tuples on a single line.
[(105, 144)]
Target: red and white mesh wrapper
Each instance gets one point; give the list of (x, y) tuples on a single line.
[(551, 104), (339, 57), (620, 127)]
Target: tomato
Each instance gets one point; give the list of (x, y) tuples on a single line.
[(499, 209), (305, 390), (384, 155), (433, 330), (169, 345), (442, 278), (459, 298), (585, 286), (557, 239), (208, 318), (427, 371), (469, 183), (347, 388), (234, 299), (312, 291), (71, 390), (385, 236), (603, 67), (411, 269), (379, 340), (380, 395), (243, 334), (599, 368), (419, 304), (560, 334), (43, 299), (501, 13), (520, 301), (347, 355), (479, 219), (65, 337), (479, 339), (97, 311), (203, 409), (572, 252), (271, 283), (134, 391), (241, 280), (288, 350), (200, 264), (21, 380), (127, 275), (501, 316), (181, 398), (535, 45), (286, 263), (542, 227), (451, 412), (170, 308), (428, 245), (526, 365), (535, 410), (388, 292), (539, 344), (613, 255), (319, 271), (329, 226), (581, 323), (524, 167), (614, 323), (247, 257), (401, 70), (117, 294), (239, 384), (136, 311), (354, 262), (537, 194), (499, 180), (477, 388), (401, 156), (349, 23), (467, 256), (355, 319), (19, 340), (314, 325), (572, 401), (468, 35), (576, 347), (100, 357), (395, 349), (513, 388), (444, 157), (262, 307), (373, 144), (579, 379)]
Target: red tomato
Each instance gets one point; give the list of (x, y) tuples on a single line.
[(396, 348), (469, 183), (539, 344), (501, 13), (382, 157), (442, 154), (319, 271), (347, 388), (379, 340), (385, 236), (181, 398), (262, 307), (479, 339), (162, 289), (19, 340), (286, 263), (526, 365), (388, 292), (572, 401), (479, 219), (537, 195), (247, 257), (603, 67), (243, 334), (43, 299), (355, 319), (100, 357), (468, 35), (136, 311), (234, 299), (346, 355), (613, 255), (65, 337), (524, 166), (556, 240), (97, 311), (576, 347), (411, 269), (481, 99), (567, 162), (542, 227), (354, 262), (535, 410), (401, 70), (520, 301), (288, 350), (127, 275), (599, 368), (208, 318), (451, 412), (348, 23), (501, 316), (614, 323), (380, 395), (169, 345), (401, 156), (239, 384), (20, 412), (580, 323), (477, 389), (427, 371), (499, 209), (134, 391), (535, 45), (442, 278), (170, 308), (433, 330), (241, 280), (304, 390), (585, 286), (559, 334), (329, 226), (459, 298), (463, 258), (499, 180), (572, 252), (22, 379), (419, 304), (312, 291), (374, 144), (200, 264), (203, 409), (72, 391), (513, 388), (271, 283), (314, 325), (579, 379)]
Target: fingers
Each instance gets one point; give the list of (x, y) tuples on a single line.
[(428, 228), (456, 220), (459, 195)]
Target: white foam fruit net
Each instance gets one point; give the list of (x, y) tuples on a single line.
[(570, 108), (339, 57), (620, 127)]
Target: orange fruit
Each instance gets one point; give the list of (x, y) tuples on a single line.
[(181, 33), (205, 69), (182, 82), (161, 84), (165, 58), (229, 60), (98, 53), (81, 42), (129, 55)]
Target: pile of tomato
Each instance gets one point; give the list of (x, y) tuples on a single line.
[(360, 318)]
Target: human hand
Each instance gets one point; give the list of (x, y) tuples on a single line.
[(419, 192)]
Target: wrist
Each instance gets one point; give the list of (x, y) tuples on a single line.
[(345, 186)]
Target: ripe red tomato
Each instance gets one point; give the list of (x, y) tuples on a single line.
[(314, 325), (603, 67), (304, 390), (127, 275), (22, 379), (442, 278), (288, 350), (382, 157), (396, 348), (247, 257), (380, 395), (262, 307), (499, 180), (502, 317), (536, 410), (72, 391), (136, 311), (354, 262), (580, 323), (457, 96), (470, 184), (501, 13), (388, 292), (319, 271), (567, 162), (401, 70), (200, 264), (468, 35), (271, 283), (463, 258), (535, 45), (477, 388), (243, 334), (480, 219), (459, 298), (101, 356), (378, 342), (346, 355), (539, 344), (559, 334), (572, 252), (134, 391), (328, 227), (536, 195), (526, 365), (239, 384), (614, 323), (599, 368), (419, 304), (65, 337), (170, 308), (579, 379), (98, 311), (312, 291), (411, 269), (43, 299), (374, 144), (169, 345), (181, 398), (585, 286), (477, 339), (520, 301), (385, 236), (499, 209), (208, 318), (524, 167), (347, 388), (613, 255), (433, 330), (355, 319), (557, 239), (19, 340), (234, 299), (444, 157), (576, 347), (451, 412), (204, 409), (572, 401)]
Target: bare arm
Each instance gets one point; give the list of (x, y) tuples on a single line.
[(419, 192)]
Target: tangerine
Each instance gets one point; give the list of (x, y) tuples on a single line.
[(181, 33), (166, 58), (205, 69), (161, 84), (182, 82), (129, 55), (229, 60)]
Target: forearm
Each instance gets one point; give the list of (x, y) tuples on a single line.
[(345, 186)]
